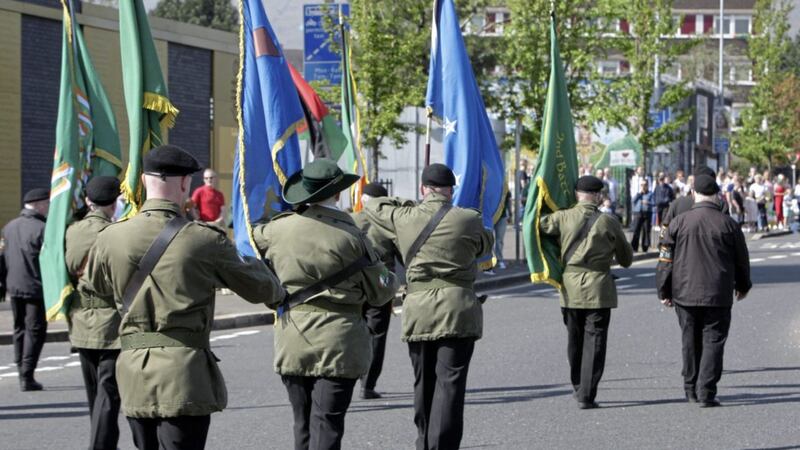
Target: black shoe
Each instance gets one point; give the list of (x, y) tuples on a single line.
[(369, 394), (713, 403), (691, 397), (588, 405), (29, 384)]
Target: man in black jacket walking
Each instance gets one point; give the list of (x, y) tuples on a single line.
[(703, 259), (21, 277)]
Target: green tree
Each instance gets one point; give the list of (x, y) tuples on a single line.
[(766, 135), (626, 101), (218, 14), (525, 52), (391, 49)]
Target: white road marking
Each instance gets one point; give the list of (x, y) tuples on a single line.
[(625, 286), (49, 368), (248, 332), (796, 254), (56, 358), (5, 367), (398, 310), (752, 260), (769, 246), (643, 275), (778, 256), (10, 374), (72, 364), (623, 279), (234, 335)]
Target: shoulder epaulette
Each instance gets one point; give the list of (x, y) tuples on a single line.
[(210, 227), (282, 215)]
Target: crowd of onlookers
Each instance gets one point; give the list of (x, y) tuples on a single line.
[(758, 201)]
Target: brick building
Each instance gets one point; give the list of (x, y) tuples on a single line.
[(198, 63)]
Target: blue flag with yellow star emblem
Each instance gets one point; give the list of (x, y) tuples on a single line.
[(269, 114), (453, 97)]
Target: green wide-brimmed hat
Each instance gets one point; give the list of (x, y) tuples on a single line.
[(317, 181)]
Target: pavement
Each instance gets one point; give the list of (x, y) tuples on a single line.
[(232, 312), (518, 392)]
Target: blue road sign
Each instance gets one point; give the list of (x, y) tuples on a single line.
[(319, 61), (721, 145)]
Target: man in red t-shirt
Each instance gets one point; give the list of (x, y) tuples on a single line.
[(209, 202)]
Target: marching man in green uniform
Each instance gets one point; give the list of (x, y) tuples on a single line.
[(589, 242), (442, 317), (377, 317), (322, 343), (94, 321), (162, 271)]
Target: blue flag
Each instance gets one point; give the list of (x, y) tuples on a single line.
[(470, 149), (269, 113)]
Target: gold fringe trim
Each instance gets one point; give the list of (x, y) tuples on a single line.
[(159, 103), (278, 146), (239, 82), (543, 197), (108, 156), (55, 312)]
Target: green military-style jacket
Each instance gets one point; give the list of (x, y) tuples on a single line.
[(327, 336), (93, 321), (166, 368), (441, 301), (587, 282), (384, 246)]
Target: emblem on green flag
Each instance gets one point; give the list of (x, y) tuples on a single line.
[(553, 183)]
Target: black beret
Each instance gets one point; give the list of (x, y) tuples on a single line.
[(375, 190), (705, 185), (705, 170), (589, 183), (103, 191), (170, 161), (35, 195), (438, 175)]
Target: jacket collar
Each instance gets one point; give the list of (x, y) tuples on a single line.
[(434, 197), (32, 214), (712, 205), (160, 204), (326, 211), (587, 205), (98, 215)]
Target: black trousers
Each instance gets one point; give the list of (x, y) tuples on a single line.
[(319, 405), (30, 332), (661, 209), (587, 335), (641, 227), (99, 378), (170, 433), (704, 331), (378, 319), (440, 383)]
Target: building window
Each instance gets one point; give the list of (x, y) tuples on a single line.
[(608, 68), (687, 26), (741, 25), (726, 25), (491, 20)]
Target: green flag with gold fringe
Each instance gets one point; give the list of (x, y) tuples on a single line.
[(149, 109), (87, 144), (553, 183)]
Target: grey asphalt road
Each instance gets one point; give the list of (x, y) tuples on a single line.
[(518, 394)]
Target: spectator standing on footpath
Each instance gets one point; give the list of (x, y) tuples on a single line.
[(500, 231), (759, 193), (779, 191), (703, 260), (642, 212), (664, 195), (21, 276), (208, 201), (613, 188)]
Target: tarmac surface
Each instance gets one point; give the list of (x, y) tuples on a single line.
[(518, 395)]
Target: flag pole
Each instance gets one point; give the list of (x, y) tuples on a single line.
[(428, 141)]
